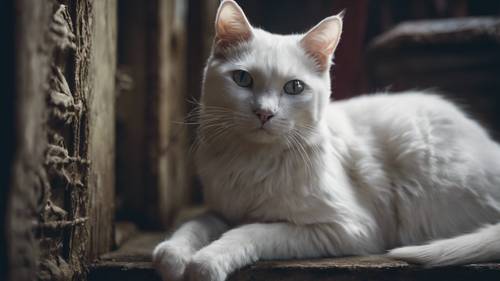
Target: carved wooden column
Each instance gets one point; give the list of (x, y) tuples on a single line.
[(60, 201)]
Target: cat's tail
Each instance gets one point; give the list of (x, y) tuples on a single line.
[(480, 246)]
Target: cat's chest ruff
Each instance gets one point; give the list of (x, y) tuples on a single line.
[(260, 187)]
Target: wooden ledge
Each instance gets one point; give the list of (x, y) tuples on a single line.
[(133, 262)]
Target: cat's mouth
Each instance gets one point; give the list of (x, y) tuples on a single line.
[(262, 135)]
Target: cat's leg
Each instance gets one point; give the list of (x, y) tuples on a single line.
[(246, 244), (171, 256)]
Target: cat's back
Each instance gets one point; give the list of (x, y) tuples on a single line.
[(420, 114), (374, 108), (415, 126), (426, 149)]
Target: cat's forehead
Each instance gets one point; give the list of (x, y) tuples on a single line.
[(274, 53)]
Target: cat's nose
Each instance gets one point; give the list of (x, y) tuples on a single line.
[(264, 115)]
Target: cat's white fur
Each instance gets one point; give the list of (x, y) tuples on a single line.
[(324, 179)]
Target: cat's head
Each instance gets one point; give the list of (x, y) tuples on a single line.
[(265, 87)]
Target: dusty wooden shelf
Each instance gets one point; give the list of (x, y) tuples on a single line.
[(133, 262)]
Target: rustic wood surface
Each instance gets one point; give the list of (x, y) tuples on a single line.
[(133, 262), (98, 90), (169, 152)]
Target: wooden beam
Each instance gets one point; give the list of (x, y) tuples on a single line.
[(98, 88), (152, 143)]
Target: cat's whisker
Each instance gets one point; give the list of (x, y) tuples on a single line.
[(312, 147), (210, 127), (216, 131), (302, 151), (293, 149)]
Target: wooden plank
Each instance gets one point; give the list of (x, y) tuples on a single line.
[(171, 158), (152, 179), (133, 262), (99, 91)]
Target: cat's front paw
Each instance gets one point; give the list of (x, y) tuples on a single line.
[(204, 268), (170, 260)]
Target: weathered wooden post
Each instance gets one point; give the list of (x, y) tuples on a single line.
[(61, 191)]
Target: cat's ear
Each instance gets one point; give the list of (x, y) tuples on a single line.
[(321, 41), (231, 25)]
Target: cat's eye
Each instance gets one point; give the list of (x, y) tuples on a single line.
[(294, 87), (242, 78)]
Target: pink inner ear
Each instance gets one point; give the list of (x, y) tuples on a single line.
[(231, 34), (231, 26), (320, 51), (320, 42)]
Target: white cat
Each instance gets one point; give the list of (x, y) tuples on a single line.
[(287, 174)]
